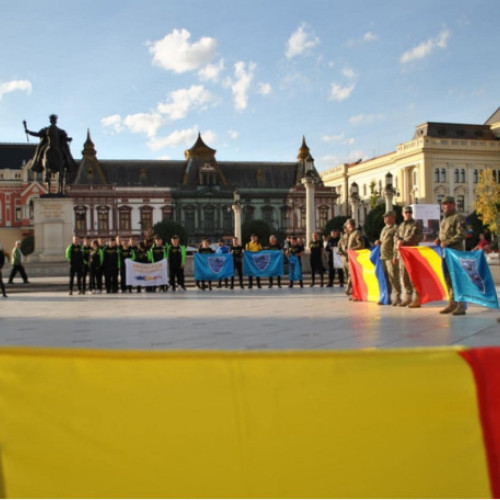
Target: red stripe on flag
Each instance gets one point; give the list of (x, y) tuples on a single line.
[(423, 276), (359, 287), (485, 364)]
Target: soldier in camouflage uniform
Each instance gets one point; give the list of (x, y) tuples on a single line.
[(409, 234), (388, 257), (342, 250), (355, 241), (452, 235)]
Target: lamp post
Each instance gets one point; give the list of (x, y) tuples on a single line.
[(236, 206), (389, 192), (308, 182), (355, 200)]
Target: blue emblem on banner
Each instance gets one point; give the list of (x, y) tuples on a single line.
[(261, 261), (469, 266), (216, 263)]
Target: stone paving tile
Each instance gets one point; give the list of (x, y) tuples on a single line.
[(276, 319)]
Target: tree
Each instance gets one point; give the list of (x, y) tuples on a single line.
[(487, 199), (28, 245), (336, 223), (259, 227), (168, 228), (375, 221)]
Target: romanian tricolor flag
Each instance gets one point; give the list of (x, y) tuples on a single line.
[(414, 423), (425, 268), (367, 276)]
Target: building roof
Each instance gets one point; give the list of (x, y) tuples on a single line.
[(494, 118), (455, 131), (12, 156)]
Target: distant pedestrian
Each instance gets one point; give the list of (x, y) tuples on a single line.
[(16, 260), (75, 257), (2, 262)]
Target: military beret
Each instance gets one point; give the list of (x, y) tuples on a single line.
[(389, 213), (408, 209), (448, 199)]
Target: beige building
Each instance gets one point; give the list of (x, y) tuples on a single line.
[(441, 159)]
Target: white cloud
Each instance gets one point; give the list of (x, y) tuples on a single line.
[(348, 72), (363, 119), (339, 93), (181, 101), (113, 122), (370, 37), (185, 137), (264, 88), (301, 41), (174, 52), (211, 72), (338, 139), (241, 85), (366, 38), (143, 123), (426, 48), (13, 85), (233, 134)]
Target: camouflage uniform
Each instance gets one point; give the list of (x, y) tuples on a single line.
[(410, 234), (387, 254), (342, 250), (354, 242), (452, 232)]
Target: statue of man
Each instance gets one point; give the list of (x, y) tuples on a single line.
[(52, 153)]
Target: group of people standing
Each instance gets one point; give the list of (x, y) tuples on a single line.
[(102, 261)]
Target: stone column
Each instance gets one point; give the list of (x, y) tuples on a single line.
[(308, 182), (237, 208)]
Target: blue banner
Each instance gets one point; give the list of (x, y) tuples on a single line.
[(263, 264), (471, 277), (213, 266), (294, 268)]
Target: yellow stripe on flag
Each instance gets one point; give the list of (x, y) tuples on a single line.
[(369, 276), (376, 424)]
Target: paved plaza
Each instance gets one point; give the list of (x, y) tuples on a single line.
[(258, 319)]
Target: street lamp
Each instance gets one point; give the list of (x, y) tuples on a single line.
[(355, 200), (389, 192)]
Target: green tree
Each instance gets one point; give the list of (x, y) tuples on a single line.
[(28, 245), (167, 228), (259, 227), (336, 223), (374, 221), (488, 199)]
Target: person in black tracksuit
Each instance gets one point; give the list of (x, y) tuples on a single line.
[(142, 255), (125, 251), (274, 245), (95, 268), (156, 254), (297, 249), (87, 248), (74, 254), (333, 242), (237, 251), (176, 256), (316, 258), (110, 266), (205, 248)]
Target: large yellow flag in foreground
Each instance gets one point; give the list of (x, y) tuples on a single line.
[(121, 424)]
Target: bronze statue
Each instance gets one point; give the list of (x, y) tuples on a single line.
[(52, 153)]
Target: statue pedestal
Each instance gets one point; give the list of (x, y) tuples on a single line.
[(53, 228)]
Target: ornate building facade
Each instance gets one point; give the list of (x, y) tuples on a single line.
[(441, 159)]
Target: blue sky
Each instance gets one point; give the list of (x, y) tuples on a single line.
[(354, 77)]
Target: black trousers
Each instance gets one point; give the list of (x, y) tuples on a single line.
[(176, 276), (111, 280), (78, 272), (15, 270), (238, 269), (2, 286)]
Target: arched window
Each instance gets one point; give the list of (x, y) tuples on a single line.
[(146, 218), (436, 175), (125, 220), (80, 218), (103, 220), (323, 216)]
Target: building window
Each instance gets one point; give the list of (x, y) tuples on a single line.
[(436, 175), (31, 209), (461, 203), (456, 176), (146, 218), (267, 215), (125, 219), (166, 212), (443, 175), (462, 176), (323, 216), (439, 198), (102, 220), (19, 214), (302, 217), (227, 219), (189, 219), (476, 176), (81, 218), (249, 211), (285, 218), (208, 218)]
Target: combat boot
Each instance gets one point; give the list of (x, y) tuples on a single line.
[(405, 303), (396, 301), (415, 303), (459, 310), (447, 310)]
